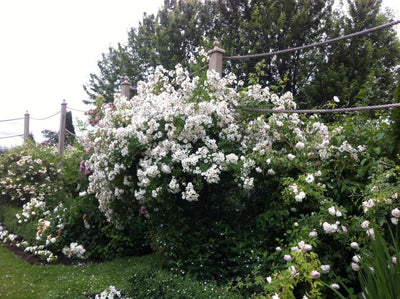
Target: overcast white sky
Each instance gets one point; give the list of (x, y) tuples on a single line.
[(48, 49)]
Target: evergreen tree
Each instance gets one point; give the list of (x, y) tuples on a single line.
[(52, 136), (70, 129), (359, 70), (278, 25)]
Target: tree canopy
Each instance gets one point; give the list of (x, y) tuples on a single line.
[(362, 70)]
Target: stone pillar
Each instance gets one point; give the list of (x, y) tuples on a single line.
[(126, 87), (216, 57), (61, 132), (26, 126)]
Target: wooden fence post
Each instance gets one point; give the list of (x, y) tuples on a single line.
[(126, 87), (216, 56), (61, 132), (26, 127)]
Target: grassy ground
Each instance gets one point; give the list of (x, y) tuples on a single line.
[(136, 277), (18, 279)]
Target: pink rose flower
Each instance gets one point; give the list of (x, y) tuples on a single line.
[(315, 274), (287, 257)]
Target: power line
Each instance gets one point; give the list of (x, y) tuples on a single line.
[(309, 111), (315, 44)]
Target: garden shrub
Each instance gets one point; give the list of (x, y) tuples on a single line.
[(228, 194), (149, 282), (395, 116), (85, 224), (279, 204), (30, 171), (26, 230), (56, 220), (32, 176)]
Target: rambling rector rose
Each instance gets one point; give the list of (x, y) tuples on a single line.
[(177, 135), (180, 134)]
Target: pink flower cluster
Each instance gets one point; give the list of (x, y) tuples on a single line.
[(396, 216), (84, 169)]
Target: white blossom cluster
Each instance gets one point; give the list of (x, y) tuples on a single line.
[(74, 250), (331, 228), (5, 235), (28, 178), (33, 207), (38, 250), (301, 246), (110, 293), (299, 194), (179, 133)]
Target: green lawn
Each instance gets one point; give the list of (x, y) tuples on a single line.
[(18, 279)]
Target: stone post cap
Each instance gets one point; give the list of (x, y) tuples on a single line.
[(216, 48)]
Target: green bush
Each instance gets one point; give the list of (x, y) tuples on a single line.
[(231, 194), (216, 238), (85, 224), (26, 230), (395, 115), (150, 282)]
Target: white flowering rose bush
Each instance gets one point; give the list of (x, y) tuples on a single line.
[(208, 177), (28, 172), (171, 141), (180, 134), (43, 201), (44, 184)]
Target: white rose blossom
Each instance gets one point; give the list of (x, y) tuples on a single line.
[(309, 178), (299, 145), (354, 245), (365, 224)]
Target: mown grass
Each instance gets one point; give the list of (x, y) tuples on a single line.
[(19, 279), (136, 277)]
